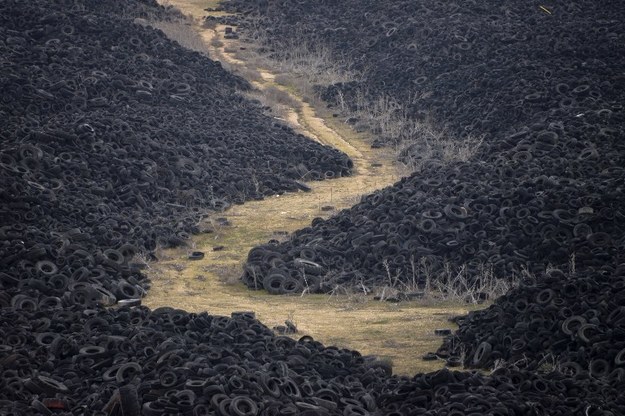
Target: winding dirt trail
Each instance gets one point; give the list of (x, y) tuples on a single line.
[(400, 332)]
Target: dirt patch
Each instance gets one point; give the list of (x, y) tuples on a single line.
[(401, 332)]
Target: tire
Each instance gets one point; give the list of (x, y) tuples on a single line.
[(619, 359), (454, 362), (599, 239), (243, 406), (46, 385), (125, 290), (571, 325), (599, 368), (291, 285), (127, 372), (41, 408), (455, 212), (273, 284), (46, 268), (309, 266), (129, 401), (201, 410), (587, 333), (545, 296), (482, 354), (196, 255), (571, 369)]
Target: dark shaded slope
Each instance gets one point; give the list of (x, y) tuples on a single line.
[(116, 140), (418, 222), (546, 86), (479, 66), (169, 362), (574, 322), (75, 177)]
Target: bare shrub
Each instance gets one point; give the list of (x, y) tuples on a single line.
[(311, 64), (414, 141), (445, 285), (458, 285)]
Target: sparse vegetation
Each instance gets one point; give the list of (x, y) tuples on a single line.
[(179, 28), (253, 223), (305, 66)]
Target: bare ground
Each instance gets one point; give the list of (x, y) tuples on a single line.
[(400, 332)]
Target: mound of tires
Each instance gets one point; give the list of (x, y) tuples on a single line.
[(574, 322), (466, 218), (476, 66), (547, 184), (133, 361), (543, 84), (116, 140)]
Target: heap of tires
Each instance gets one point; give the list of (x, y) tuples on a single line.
[(133, 361), (115, 140), (474, 66), (547, 183), (543, 85), (571, 321), (468, 218)]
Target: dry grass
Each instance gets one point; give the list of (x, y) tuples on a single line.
[(280, 102), (451, 284), (400, 333), (182, 31), (249, 74), (216, 43), (303, 66)]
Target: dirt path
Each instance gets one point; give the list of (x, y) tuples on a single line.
[(400, 332)]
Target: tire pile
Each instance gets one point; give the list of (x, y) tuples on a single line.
[(575, 322), (115, 140), (549, 182), (544, 85), (467, 217), (133, 361), (477, 66)]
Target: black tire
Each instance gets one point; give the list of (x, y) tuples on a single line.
[(129, 401), (545, 296), (201, 410), (243, 406), (125, 290), (270, 385), (587, 333), (196, 255), (482, 354), (571, 368), (455, 212), (454, 362), (41, 384), (127, 372), (571, 325), (273, 284), (46, 268), (619, 359), (290, 285), (599, 368)]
